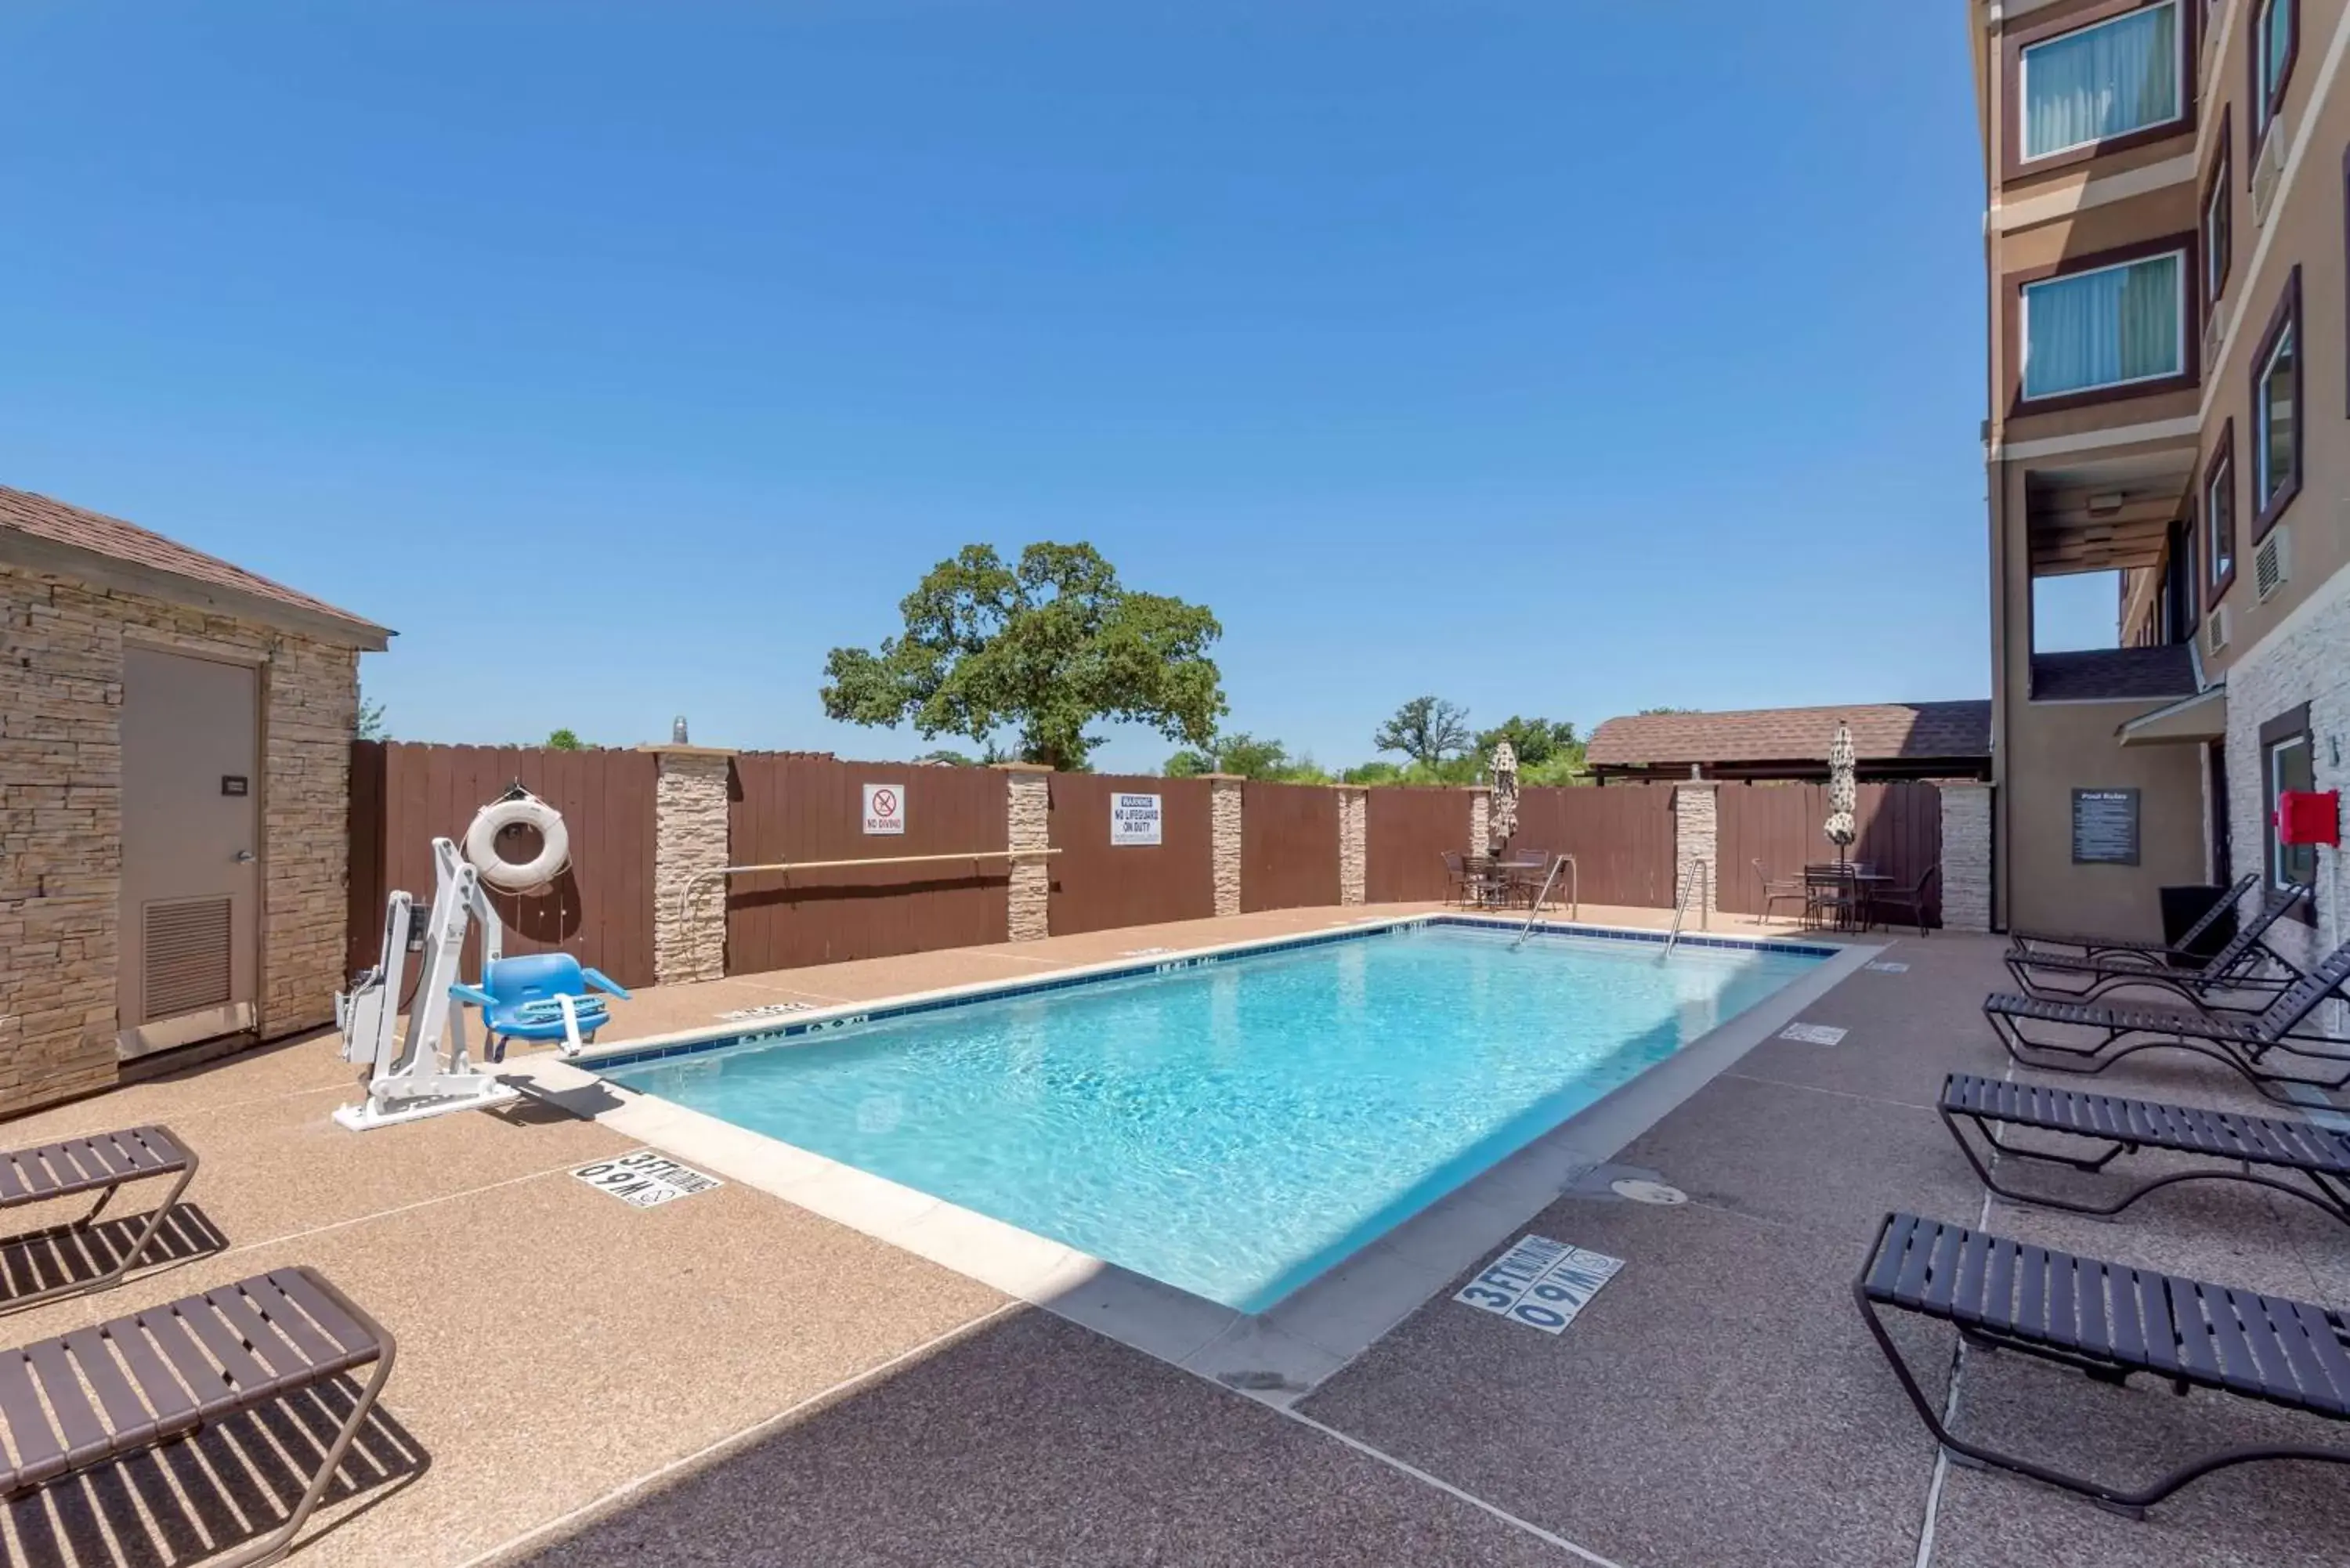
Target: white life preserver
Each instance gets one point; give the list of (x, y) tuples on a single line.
[(518, 876)]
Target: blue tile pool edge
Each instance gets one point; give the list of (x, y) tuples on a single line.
[(850, 1014)]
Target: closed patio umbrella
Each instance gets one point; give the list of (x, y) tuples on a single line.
[(1843, 791), (1501, 816)]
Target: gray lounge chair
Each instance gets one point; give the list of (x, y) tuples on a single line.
[(2238, 966), (2318, 1155), (2170, 952), (101, 1163), (2233, 1039), (155, 1377)]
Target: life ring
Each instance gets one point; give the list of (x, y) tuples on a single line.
[(518, 876)]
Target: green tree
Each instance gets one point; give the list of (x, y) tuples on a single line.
[(1045, 648), (1646, 712), (1537, 741), (1246, 756), (565, 741), (1428, 730), (948, 757), (1372, 774), (368, 726)]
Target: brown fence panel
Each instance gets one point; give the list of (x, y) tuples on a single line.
[(790, 807), (404, 795), (1289, 845), (1096, 887), (1408, 833), (1621, 838), (1782, 825)]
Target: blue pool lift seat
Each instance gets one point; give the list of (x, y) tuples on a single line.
[(540, 996)]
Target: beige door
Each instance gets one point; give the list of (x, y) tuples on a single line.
[(191, 842)]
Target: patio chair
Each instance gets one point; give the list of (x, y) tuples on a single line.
[(2233, 968), (2320, 1155), (2111, 1321), (101, 1163), (1787, 890), (1882, 903), (2232, 1039), (1830, 894), (1457, 878), (152, 1378), (540, 996), (2176, 953)]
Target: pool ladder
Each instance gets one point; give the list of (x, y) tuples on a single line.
[(1701, 875), (1574, 898)]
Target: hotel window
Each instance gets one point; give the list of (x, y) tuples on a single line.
[(2276, 36), (2101, 81), (2219, 216), (2276, 411), (2219, 515), (2107, 327), (2287, 763)]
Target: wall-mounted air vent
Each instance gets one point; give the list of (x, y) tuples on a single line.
[(2268, 174), (2215, 627), (185, 962), (2273, 561)]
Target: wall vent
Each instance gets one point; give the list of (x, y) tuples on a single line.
[(2268, 174), (185, 956), (2273, 561), (2215, 627)]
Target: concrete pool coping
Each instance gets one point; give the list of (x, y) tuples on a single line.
[(1278, 1355)]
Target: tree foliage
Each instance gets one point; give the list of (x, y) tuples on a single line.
[(1549, 751), (1428, 730), (1249, 758), (565, 741), (1045, 648), (369, 724)]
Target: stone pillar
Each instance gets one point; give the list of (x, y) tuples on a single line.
[(1354, 842), (1695, 838), (690, 836), (1966, 857), (1030, 808), (1481, 816), (1224, 833)]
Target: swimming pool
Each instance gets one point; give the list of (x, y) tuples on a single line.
[(1234, 1128)]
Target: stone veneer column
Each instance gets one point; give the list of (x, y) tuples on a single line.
[(1966, 857), (1481, 816), (1695, 838), (1029, 825), (690, 836), (1224, 834), (1353, 843)]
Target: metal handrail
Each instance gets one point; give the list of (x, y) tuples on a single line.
[(694, 882), (1573, 893), (1701, 873)]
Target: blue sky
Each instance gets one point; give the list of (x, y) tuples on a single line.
[(626, 359)]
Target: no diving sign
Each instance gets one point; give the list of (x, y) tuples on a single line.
[(645, 1178), (885, 808)]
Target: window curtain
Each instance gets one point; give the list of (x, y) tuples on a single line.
[(2101, 81), (2120, 324)]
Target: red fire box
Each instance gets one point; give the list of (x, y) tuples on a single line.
[(2309, 817)]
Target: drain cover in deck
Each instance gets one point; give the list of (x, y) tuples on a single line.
[(1640, 1192)]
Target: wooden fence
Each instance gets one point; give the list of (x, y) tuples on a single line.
[(1097, 887), (1621, 838), (794, 806), (1289, 845), (404, 795), (1407, 834), (1781, 825)]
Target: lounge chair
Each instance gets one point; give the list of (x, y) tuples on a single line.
[(2108, 1321), (2176, 953), (2236, 1040), (2125, 1126), (101, 1163), (540, 996), (2064, 977), (159, 1376)]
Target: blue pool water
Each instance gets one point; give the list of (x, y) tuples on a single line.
[(1234, 1129)]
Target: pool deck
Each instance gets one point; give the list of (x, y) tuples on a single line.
[(733, 1379)]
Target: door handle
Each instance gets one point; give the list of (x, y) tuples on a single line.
[(243, 857)]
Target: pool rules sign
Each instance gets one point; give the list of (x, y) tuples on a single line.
[(885, 808), (1134, 819)]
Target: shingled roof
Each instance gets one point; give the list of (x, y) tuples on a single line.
[(1880, 732), (50, 535)]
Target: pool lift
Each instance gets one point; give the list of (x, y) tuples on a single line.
[(427, 1071)]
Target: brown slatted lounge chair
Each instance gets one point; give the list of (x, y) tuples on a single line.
[(2161, 952), (101, 1163), (2110, 1322), (2125, 1126), (2247, 964), (139, 1382), (2232, 1038)]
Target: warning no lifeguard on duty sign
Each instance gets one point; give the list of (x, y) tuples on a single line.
[(885, 808)]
